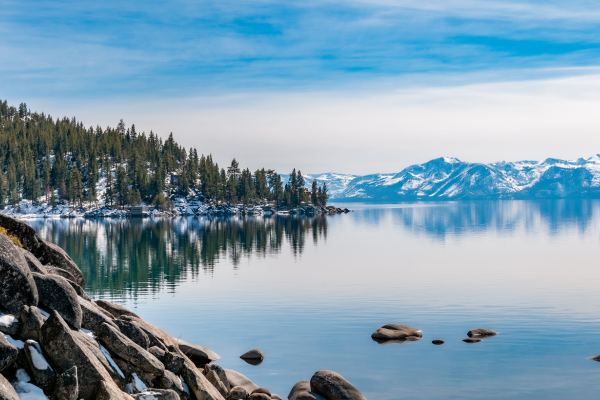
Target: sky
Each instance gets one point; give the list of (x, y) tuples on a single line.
[(322, 85)]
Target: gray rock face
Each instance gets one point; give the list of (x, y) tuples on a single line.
[(57, 294), (17, 288), (213, 378), (481, 332), (7, 391), (301, 391), (65, 351), (43, 374), (199, 386), (93, 347), (66, 387), (92, 317), (133, 332), (237, 379), (396, 332), (34, 264), (169, 381), (80, 292), (109, 391), (333, 386), (8, 353), (156, 394), (237, 393), (60, 272), (196, 353), (120, 344), (31, 320), (173, 361), (115, 310), (220, 373)]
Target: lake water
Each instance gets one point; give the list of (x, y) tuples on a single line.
[(310, 291)]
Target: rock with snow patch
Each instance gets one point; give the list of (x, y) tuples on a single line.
[(333, 386), (170, 381), (57, 294), (66, 387), (156, 394), (302, 391), (115, 310), (31, 321), (8, 353), (17, 287), (7, 391), (102, 355), (9, 324), (43, 374), (196, 353), (120, 344), (65, 351)]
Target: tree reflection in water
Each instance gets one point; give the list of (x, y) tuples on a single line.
[(144, 255)]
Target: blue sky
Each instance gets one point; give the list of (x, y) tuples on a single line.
[(84, 56)]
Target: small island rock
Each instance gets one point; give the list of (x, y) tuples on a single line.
[(438, 342), (333, 386), (481, 332)]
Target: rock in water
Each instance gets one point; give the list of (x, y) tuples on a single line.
[(196, 353), (438, 341), (301, 391), (481, 332), (396, 333), (333, 386), (120, 344), (17, 287), (8, 353), (57, 294), (66, 387), (65, 351), (472, 340), (7, 391), (237, 379), (254, 354), (43, 374)]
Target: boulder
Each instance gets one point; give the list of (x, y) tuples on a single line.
[(79, 290), (31, 321), (237, 379), (65, 351), (50, 254), (57, 294), (196, 353), (102, 355), (437, 342), (169, 381), (255, 354), (109, 391), (66, 387), (213, 378), (301, 391), (50, 270), (34, 264), (237, 393), (9, 324), (92, 317), (157, 336), (481, 332), (262, 390), (333, 386), (472, 340), (133, 332), (120, 344), (173, 360), (259, 396), (17, 287), (115, 310), (220, 373), (8, 353), (7, 391), (197, 383), (396, 332), (157, 352), (156, 394), (43, 374)]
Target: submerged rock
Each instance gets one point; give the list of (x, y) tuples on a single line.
[(333, 386), (397, 333), (438, 342), (472, 340), (481, 332)]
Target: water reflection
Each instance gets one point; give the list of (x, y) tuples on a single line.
[(141, 256)]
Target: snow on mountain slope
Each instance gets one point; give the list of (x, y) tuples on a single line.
[(451, 179), (335, 182)]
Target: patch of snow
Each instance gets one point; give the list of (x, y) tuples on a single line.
[(185, 386), (39, 362), (44, 313), (89, 333), (111, 361), (7, 320), (17, 343), (136, 386)]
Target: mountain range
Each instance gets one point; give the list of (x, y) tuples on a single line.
[(448, 178)]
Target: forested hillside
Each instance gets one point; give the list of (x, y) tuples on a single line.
[(61, 161)]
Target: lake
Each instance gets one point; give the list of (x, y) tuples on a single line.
[(310, 291)]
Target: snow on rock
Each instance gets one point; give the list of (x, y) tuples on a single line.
[(26, 390), (7, 320), (39, 362), (19, 344), (135, 386), (111, 361)]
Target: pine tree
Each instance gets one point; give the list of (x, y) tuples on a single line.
[(3, 190), (121, 186), (313, 194)]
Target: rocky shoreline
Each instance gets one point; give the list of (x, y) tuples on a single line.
[(57, 343)]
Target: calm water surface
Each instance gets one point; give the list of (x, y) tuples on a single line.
[(310, 291)]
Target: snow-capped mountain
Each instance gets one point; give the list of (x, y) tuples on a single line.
[(451, 179), (336, 183)]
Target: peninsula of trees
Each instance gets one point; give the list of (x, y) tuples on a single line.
[(63, 162)]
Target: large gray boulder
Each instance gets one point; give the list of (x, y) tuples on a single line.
[(43, 374), (196, 353), (396, 332), (302, 391), (66, 387), (116, 310), (65, 351), (120, 344), (8, 353), (17, 287), (199, 386), (170, 381), (57, 294), (333, 386), (156, 336), (102, 355), (7, 391), (213, 378), (47, 253), (92, 317), (237, 393), (133, 332), (34, 264), (237, 379), (220, 373), (31, 321)]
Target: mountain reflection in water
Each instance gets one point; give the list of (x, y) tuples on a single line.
[(132, 255)]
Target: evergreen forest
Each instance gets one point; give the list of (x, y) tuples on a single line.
[(61, 161)]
